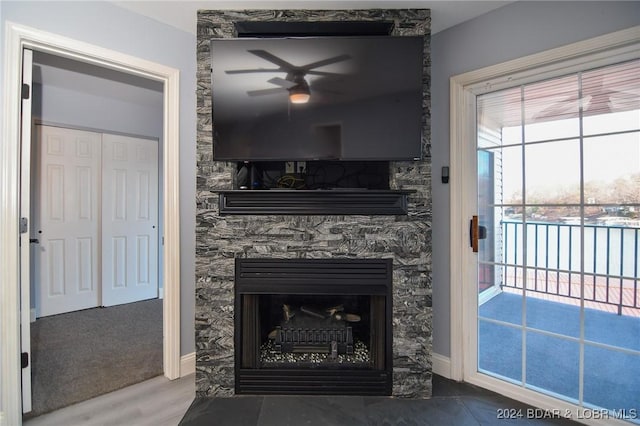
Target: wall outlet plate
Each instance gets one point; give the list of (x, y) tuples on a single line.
[(289, 167)]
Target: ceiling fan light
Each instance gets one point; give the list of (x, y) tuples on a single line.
[(299, 97), (300, 93)]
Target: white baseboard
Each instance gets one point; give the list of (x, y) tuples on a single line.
[(187, 364), (32, 315), (441, 365)]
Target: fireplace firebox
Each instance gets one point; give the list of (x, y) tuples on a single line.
[(313, 326)]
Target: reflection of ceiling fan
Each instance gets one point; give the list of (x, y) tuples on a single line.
[(597, 98), (294, 82)]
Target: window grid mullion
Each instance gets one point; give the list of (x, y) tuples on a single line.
[(525, 253), (582, 247)]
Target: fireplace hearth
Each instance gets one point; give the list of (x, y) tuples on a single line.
[(313, 326)]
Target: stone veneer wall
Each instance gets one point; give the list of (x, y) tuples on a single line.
[(221, 239)]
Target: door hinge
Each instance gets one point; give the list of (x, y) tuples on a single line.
[(26, 91), (24, 359), (24, 225)]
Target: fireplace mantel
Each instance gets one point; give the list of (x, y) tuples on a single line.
[(308, 202)]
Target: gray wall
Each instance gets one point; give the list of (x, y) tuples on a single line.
[(112, 27), (57, 105), (513, 31)]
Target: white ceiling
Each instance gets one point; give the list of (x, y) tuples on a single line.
[(182, 14)]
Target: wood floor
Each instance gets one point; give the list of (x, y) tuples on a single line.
[(155, 402)]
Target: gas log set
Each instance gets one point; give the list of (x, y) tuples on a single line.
[(315, 336)]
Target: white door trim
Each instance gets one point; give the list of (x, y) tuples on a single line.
[(16, 38), (464, 89)]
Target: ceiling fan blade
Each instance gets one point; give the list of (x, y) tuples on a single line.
[(325, 62), (252, 71), (273, 59), (613, 101), (323, 73), (549, 109), (628, 96), (556, 112), (620, 104), (282, 82), (263, 92)]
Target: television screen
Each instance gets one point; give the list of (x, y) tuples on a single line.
[(317, 98)]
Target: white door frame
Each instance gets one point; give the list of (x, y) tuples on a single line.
[(464, 89), (16, 38)]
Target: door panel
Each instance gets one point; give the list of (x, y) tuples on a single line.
[(56, 271), (68, 220), (119, 247), (25, 243), (561, 204), (130, 219)]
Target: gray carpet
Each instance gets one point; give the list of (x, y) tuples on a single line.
[(83, 354)]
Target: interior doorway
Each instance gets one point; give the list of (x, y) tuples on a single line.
[(94, 232), (17, 38)]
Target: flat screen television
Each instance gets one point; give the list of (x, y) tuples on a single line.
[(354, 98)]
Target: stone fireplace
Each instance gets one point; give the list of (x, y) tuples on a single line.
[(401, 241)]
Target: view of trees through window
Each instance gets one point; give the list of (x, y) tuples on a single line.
[(610, 165), (567, 144)]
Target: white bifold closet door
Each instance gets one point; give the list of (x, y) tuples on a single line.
[(67, 220), (96, 221), (129, 219)]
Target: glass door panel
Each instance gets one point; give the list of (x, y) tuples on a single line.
[(558, 374), (611, 380), (558, 166), (500, 350)]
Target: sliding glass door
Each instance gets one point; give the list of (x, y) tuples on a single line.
[(558, 181)]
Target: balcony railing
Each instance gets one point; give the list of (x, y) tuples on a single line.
[(554, 261)]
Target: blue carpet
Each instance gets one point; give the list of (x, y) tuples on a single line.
[(611, 378)]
